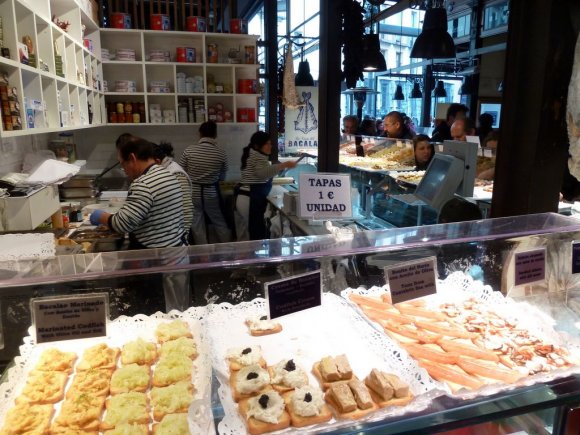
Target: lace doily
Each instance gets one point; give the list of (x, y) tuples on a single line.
[(459, 286), (307, 336), (37, 246), (119, 332)]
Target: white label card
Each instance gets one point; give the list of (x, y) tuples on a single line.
[(70, 317), (325, 196), (411, 280)]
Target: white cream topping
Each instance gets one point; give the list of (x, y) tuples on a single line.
[(261, 325), (273, 410), (252, 357), (295, 378), (304, 408), (245, 385)]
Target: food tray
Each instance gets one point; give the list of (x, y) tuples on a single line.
[(459, 286), (102, 240), (398, 176), (121, 331), (331, 329)]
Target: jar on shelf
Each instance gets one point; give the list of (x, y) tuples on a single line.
[(120, 108)]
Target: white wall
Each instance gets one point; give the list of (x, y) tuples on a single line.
[(97, 145), (14, 149)]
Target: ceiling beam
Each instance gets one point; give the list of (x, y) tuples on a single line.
[(389, 12)]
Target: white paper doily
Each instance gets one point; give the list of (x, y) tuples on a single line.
[(459, 286), (37, 246), (307, 336), (119, 332)]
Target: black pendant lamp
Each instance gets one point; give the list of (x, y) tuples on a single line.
[(416, 91), (465, 88), (304, 78), (439, 90), (399, 94), (434, 42), (373, 59)]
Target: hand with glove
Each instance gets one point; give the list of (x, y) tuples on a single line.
[(97, 217)]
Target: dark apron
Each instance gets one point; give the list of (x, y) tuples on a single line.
[(258, 204)]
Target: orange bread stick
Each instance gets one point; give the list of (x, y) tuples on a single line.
[(488, 370), (445, 329), (420, 312), (451, 373), (410, 332), (370, 302), (431, 352), (390, 315), (467, 350)]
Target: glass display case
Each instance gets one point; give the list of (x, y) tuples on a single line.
[(144, 282)]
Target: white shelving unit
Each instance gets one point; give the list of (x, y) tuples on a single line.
[(65, 98), (143, 71)]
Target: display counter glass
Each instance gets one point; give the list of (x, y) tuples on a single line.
[(204, 280)]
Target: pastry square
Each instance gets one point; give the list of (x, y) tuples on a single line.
[(99, 356), (25, 418), (181, 346), (254, 424), (172, 399), (172, 424), (126, 408), (139, 352), (132, 377), (94, 381), (81, 412), (172, 330), (57, 429), (312, 410), (43, 387), (129, 429), (54, 360), (172, 369)]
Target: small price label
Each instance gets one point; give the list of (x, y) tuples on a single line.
[(70, 317), (411, 280), (530, 266), (290, 295)]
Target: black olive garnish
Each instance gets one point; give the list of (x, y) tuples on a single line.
[(264, 318), (290, 366), (308, 397), (246, 351), (251, 375), (263, 401)]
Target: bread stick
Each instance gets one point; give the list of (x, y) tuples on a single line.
[(446, 372), (488, 370), (445, 329), (430, 353), (467, 350)]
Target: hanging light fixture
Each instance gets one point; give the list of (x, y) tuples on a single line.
[(416, 91), (399, 93), (465, 88), (439, 90), (434, 42), (304, 78), (373, 59)]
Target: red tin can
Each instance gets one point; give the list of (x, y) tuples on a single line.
[(246, 86), (196, 24), (185, 54), (121, 20), (160, 22), (238, 25), (246, 114)]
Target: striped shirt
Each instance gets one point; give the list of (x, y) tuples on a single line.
[(152, 211), (258, 168), (173, 167), (205, 163)]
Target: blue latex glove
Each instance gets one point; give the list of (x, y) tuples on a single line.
[(476, 272), (96, 217)]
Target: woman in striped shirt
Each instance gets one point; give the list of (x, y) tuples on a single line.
[(255, 185), (152, 213)]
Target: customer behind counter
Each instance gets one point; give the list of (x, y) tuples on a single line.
[(442, 131), (254, 187), (424, 152), (152, 213), (396, 127), (462, 128)]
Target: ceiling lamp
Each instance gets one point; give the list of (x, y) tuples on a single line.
[(304, 78), (439, 90), (399, 94), (465, 88), (373, 59), (434, 42), (416, 91)]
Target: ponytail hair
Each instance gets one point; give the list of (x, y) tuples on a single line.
[(257, 141)]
